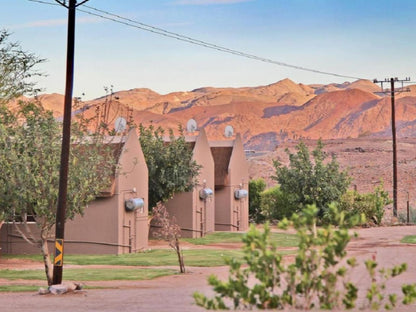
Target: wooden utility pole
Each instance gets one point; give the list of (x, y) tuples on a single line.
[(393, 131), (66, 141)]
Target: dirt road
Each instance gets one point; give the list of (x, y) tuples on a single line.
[(174, 293)]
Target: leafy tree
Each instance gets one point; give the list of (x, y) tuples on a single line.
[(17, 67), (318, 278), (30, 148), (370, 205), (309, 181), (170, 164), (255, 188), (275, 204)]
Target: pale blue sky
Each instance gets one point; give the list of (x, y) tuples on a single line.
[(360, 38)]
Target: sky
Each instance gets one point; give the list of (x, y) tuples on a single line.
[(355, 38)]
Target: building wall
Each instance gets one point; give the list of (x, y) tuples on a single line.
[(96, 231), (205, 208), (231, 174), (181, 207), (106, 227), (132, 182), (223, 211), (13, 243), (239, 178), (194, 215)]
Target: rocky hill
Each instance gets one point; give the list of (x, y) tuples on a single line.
[(266, 116)]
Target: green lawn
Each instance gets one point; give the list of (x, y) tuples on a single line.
[(158, 257), (155, 257), (86, 274), (410, 239), (19, 288), (167, 257), (281, 239)]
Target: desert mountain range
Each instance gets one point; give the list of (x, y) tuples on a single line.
[(265, 116)]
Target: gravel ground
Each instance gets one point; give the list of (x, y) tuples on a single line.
[(174, 293)]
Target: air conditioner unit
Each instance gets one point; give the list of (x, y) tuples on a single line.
[(205, 193), (239, 194), (133, 204)]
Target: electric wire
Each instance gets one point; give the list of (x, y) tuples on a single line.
[(160, 31), (44, 2)]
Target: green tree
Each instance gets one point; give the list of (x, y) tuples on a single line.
[(370, 205), (30, 148), (255, 188), (17, 67), (319, 276), (309, 181), (170, 164), (274, 204)]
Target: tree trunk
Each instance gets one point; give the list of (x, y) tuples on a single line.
[(46, 258), (180, 256)]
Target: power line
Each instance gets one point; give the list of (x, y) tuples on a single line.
[(160, 31), (202, 43), (44, 2)]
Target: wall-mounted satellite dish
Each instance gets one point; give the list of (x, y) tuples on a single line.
[(120, 124), (229, 131), (191, 125)]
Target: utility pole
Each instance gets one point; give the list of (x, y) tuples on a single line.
[(393, 130), (66, 140)]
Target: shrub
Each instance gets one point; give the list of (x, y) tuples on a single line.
[(315, 279), (255, 188), (274, 204), (412, 216), (371, 205), (311, 180)]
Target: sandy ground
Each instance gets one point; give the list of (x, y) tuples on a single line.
[(174, 293), (367, 161)]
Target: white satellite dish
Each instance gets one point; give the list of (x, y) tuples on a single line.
[(120, 124), (229, 131), (191, 125)]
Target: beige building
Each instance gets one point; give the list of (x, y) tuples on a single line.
[(231, 185), (194, 211), (115, 223)]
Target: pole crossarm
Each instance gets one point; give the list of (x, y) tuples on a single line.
[(63, 3), (81, 3), (397, 90)]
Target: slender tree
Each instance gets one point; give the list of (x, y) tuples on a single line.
[(30, 145), (170, 164), (17, 69), (168, 230)]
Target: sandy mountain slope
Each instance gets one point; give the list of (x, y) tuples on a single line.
[(265, 116)]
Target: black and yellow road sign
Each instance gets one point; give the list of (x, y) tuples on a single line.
[(59, 248)]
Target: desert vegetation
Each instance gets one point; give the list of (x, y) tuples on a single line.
[(310, 179), (319, 277), (313, 198)]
